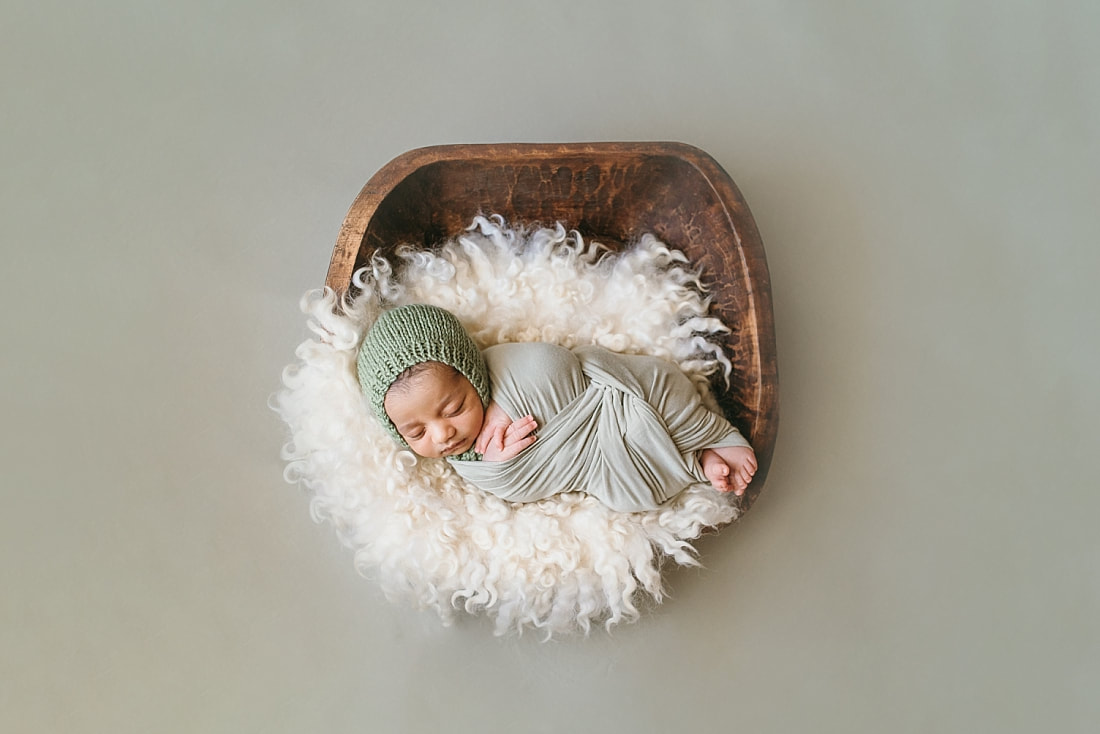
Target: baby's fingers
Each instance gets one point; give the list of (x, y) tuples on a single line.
[(513, 449), (495, 448), (483, 438), (522, 427), (497, 440)]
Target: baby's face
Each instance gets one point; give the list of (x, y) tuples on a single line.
[(438, 412)]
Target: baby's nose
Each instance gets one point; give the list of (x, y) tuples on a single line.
[(444, 432)]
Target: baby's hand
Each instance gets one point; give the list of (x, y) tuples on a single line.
[(501, 438)]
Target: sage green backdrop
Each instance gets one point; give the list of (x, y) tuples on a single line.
[(925, 177)]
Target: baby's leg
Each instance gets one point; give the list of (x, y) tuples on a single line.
[(729, 468)]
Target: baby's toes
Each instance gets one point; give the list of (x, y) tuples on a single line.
[(741, 486)]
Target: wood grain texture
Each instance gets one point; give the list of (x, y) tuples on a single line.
[(610, 192)]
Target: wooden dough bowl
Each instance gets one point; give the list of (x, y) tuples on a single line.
[(610, 192)]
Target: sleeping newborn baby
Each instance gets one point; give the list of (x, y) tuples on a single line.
[(528, 420)]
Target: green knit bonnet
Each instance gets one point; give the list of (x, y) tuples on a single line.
[(408, 335)]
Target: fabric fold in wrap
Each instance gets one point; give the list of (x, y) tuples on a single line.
[(623, 428)]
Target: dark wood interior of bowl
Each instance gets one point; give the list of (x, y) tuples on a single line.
[(610, 192)]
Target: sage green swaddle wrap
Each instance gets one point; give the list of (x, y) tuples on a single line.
[(623, 428)]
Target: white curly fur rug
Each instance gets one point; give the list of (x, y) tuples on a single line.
[(558, 565)]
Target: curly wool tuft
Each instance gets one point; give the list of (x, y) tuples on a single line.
[(559, 565)]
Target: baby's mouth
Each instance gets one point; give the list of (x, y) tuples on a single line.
[(454, 448)]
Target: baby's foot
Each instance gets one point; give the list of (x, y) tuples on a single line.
[(729, 468)]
